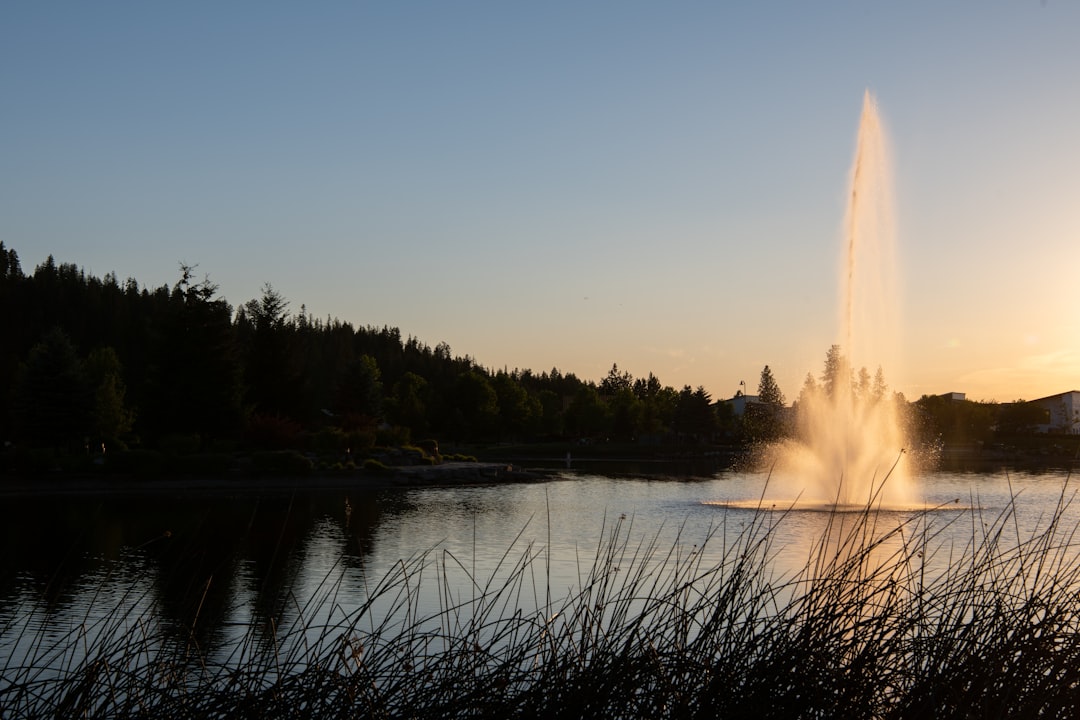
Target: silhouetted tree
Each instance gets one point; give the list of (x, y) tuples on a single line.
[(407, 405), (768, 390), (476, 406), (112, 418), (880, 386), (764, 420), (1021, 417), (273, 382), (195, 379), (626, 413), (587, 414), (694, 417), (360, 393), (52, 398), (615, 381), (657, 405), (516, 412), (836, 372)]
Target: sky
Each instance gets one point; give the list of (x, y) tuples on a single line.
[(570, 184)]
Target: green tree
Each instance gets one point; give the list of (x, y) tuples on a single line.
[(695, 420), (551, 412), (863, 388), (10, 269), (587, 415), (881, 388), (407, 405), (52, 397), (515, 410), (475, 405), (360, 392), (195, 385), (626, 414), (273, 382), (837, 372), (112, 418), (768, 390), (1021, 417), (764, 420), (657, 405), (956, 422), (615, 381)]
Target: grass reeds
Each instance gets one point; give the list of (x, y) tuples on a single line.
[(882, 621)]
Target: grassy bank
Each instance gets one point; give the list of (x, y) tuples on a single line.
[(879, 622)]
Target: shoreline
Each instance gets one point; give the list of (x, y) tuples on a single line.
[(452, 473), (445, 474)]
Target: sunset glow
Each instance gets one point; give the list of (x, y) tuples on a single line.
[(557, 186)]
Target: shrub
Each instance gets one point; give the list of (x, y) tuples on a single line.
[(205, 464), (281, 462), (360, 441), (394, 436), (374, 467), (330, 441), (274, 432), (180, 444), (136, 462)]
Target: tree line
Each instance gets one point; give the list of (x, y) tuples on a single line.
[(89, 363)]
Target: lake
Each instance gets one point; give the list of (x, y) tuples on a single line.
[(222, 562)]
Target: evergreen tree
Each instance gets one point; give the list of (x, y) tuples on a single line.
[(112, 419), (880, 387), (615, 381), (360, 393), (765, 420), (195, 380), (836, 372), (52, 398), (694, 417), (768, 391), (407, 405), (273, 382)]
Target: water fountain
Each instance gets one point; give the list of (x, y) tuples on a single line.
[(848, 448)]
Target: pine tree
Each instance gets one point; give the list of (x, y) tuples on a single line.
[(768, 391)]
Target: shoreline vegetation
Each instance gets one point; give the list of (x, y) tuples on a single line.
[(100, 376), (882, 621), (136, 472)]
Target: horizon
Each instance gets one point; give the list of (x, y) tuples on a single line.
[(565, 187)]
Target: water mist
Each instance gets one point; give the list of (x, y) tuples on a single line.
[(848, 446)]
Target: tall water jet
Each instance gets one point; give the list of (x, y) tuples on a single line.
[(849, 440)]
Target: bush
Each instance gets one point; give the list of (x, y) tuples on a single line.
[(274, 432), (374, 467), (180, 444), (281, 462), (329, 441), (431, 447), (136, 462), (395, 436), (205, 464)]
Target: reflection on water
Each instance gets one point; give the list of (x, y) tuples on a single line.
[(208, 568)]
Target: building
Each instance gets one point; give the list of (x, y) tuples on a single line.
[(1063, 410), (740, 401)]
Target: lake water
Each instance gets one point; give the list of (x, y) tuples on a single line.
[(225, 562)]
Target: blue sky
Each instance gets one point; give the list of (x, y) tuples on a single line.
[(569, 184)]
